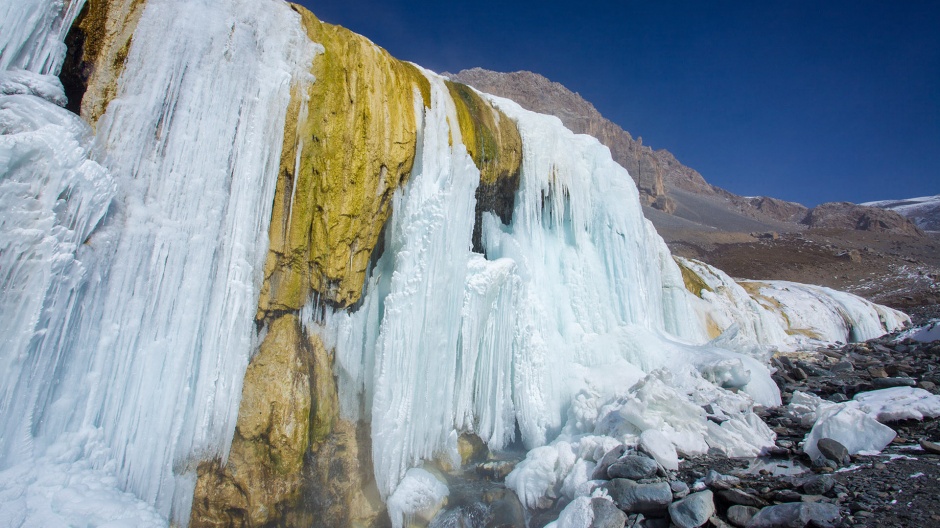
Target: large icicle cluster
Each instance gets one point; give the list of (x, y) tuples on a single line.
[(145, 324), (576, 300)]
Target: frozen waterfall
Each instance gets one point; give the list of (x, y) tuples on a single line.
[(131, 263)]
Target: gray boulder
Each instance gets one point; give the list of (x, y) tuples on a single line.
[(606, 514), (736, 496), (833, 450), (740, 515), (600, 471), (797, 515), (633, 467), (818, 484), (679, 489), (649, 499), (692, 511)]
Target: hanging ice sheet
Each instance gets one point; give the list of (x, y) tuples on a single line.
[(156, 339)]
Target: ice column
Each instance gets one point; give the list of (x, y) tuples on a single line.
[(32, 33), (156, 351)]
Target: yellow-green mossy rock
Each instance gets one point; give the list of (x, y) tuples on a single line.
[(693, 282), (349, 143), (98, 44), (494, 143), (263, 476)]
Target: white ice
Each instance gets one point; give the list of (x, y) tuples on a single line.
[(143, 317), (420, 493), (855, 423)]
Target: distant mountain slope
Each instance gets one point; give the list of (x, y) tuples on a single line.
[(664, 182), (923, 211)]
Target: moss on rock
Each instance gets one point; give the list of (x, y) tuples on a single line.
[(349, 143), (693, 282), (494, 143), (98, 43)]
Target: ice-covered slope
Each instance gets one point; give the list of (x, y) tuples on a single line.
[(152, 340), (923, 211)]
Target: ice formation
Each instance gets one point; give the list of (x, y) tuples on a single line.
[(780, 315), (130, 269), (131, 265), (858, 423)]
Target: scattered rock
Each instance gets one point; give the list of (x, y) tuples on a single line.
[(633, 467), (796, 515), (740, 515), (833, 450), (736, 496), (600, 472), (818, 485), (885, 383), (679, 489), (717, 481), (692, 511), (930, 447), (631, 497), (606, 514)]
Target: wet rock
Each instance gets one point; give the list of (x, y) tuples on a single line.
[(740, 515), (885, 383), (796, 515), (606, 514), (648, 499), (736, 496), (833, 450), (679, 489), (717, 481), (692, 511), (930, 447), (600, 472), (818, 485), (786, 496), (633, 467)]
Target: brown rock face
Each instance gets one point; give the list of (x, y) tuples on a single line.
[(778, 209), (98, 43), (293, 461), (845, 215)]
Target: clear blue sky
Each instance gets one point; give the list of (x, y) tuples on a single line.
[(806, 101)]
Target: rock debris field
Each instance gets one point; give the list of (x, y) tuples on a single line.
[(858, 445)]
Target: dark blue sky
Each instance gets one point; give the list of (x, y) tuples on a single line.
[(806, 101)]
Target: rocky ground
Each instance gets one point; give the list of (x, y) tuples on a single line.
[(898, 487)]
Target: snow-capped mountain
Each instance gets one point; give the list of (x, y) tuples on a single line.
[(923, 211)]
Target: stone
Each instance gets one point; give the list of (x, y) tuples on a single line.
[(833, 450), (797, 515), (692, 511), (786, 496), (679, 489), (649, 499), (600, 471), (818, 485), (930, 447), (885, 383), (606, 514), (740, 515), (736, 496), (633, 467), (842, 366), (717, 481)]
